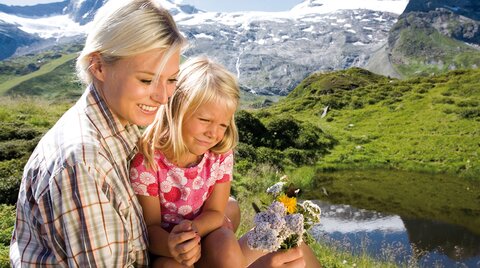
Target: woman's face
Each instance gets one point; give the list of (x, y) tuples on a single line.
[(130, 89)]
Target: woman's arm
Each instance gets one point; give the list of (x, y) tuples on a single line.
[(85, 225), (157, 236), (213, 211)]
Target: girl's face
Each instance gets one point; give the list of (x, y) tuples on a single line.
[(206, 127), (130, 90)]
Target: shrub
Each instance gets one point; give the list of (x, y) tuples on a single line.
[(7, 216), (250, 129), (301, 157), (443, 101), (272, 157), (308, 137), (245, 152), (283, 132), (10, 179), (14, 149), (467, 103), (470, 113)]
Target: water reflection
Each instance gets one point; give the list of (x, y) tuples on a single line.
[(454, 241), (415, 242)]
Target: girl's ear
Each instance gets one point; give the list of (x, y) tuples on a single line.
[(97, 66)]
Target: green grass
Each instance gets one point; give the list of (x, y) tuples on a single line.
[(7, 214), (45, 69), (423, 124), (23, 122), (425, 51)]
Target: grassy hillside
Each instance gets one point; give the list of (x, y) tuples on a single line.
[(23, 121), (422, 124), (417, 47), (419, 52), (55, 80), (18, 69)]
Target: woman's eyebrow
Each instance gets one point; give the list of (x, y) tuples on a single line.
[(176, 73)]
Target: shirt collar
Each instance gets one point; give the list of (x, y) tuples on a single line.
[(108, 124)]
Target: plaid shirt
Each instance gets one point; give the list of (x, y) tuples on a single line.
[(76, 206)]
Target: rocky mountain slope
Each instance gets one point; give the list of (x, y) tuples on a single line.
[(273, 56), (11, 38), (435, 36), (271, 52)]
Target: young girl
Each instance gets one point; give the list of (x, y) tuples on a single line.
[(183, 171)]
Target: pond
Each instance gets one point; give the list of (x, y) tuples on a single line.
[(405, 241), (421, 221)]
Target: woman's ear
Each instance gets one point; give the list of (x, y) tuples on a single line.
[(97, 66)]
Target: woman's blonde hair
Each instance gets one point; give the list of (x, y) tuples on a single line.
[(123, 28), (200, 81)]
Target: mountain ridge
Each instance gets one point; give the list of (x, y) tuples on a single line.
[(38, 10), (271, 52)]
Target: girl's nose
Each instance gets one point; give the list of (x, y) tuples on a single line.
[(211, 132)]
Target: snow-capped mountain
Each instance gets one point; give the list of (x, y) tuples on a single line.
[(466, 8), (271, 52)]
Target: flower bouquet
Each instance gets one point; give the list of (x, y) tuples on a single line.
[(284, 223)]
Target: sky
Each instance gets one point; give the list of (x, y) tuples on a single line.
[(207, 5)]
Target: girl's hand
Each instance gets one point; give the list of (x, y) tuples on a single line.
[(184, 243)]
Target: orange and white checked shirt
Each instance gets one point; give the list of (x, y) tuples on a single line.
[(76, 207)]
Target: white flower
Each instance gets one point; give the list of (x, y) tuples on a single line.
[(313, 211), (177, 177), (171, 206), (197, 183), (276, 189), (172, 218), (184, 210), (147, 178), (211, 180), (274, 229), (140, 187), (165, 186), (185, 193), (133, 174)]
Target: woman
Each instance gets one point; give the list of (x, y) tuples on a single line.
[(76, 206)]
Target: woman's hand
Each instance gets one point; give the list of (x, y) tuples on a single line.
[(292, 258), (184, 243)]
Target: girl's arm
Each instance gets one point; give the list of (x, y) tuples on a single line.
[(213, 211), (163, 243)]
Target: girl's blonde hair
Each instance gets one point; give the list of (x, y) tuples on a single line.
[(200, 81), (123, 28)]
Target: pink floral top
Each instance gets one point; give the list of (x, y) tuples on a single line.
[(182, 191)]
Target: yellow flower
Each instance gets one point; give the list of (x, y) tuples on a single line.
[(290, 203)]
